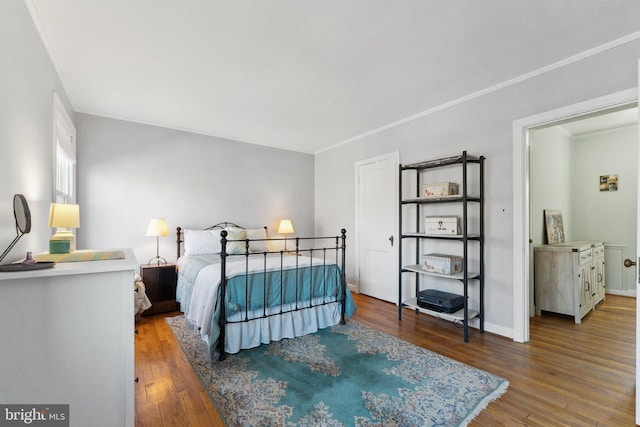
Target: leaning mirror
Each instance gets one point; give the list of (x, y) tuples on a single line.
[(22, 215)]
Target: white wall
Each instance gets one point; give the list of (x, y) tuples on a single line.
[(27, 82), (613, 212), (129, 173), (551, 171), (608, 216), (481, 125)]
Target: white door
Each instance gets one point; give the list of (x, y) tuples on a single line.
[(638, 286), (377, 226)]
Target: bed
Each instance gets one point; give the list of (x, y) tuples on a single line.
[(269, 293)]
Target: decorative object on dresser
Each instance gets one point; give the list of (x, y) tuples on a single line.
[(285, 228), (82, 255), (569, 278), (439, 231), (63, 217), (372, 379), (554, 226), (22, 215), (157, 228), (268, 295), (160, 285)]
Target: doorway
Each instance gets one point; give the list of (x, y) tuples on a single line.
[(577, 167), (521, 191)]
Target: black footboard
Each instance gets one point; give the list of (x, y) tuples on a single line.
[(315, 254)]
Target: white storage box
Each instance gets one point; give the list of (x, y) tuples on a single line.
[(439, 189), (440, 263), (441, 225)]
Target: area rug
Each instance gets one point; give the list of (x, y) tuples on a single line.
[(349, 375)]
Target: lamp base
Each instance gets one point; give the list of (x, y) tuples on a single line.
[(157, 259), (64, 234), (59, 246)]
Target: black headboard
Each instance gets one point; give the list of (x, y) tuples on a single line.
[(218, 226)]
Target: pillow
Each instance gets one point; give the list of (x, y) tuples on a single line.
[(198, 242), (260, 246), (236, 234)]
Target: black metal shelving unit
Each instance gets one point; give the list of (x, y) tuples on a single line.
[(470, 242)]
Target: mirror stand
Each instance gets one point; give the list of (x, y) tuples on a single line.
[(22, 214)]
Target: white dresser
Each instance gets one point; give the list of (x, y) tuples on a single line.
[(569, 278), (66, 337)]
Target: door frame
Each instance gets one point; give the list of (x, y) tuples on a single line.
[(521, 226), (395, 157)]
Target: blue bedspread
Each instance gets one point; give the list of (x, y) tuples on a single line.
[(257, 291)]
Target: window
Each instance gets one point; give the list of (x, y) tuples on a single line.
[(64, 138)]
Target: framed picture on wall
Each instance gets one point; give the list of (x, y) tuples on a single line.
[(554, 226), (608, 182)]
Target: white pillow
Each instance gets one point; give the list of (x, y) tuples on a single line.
[(236, 234), (260, 246), (198, 242)]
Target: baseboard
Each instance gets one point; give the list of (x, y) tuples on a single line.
[(627, 293)]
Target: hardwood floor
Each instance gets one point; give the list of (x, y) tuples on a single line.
[(567, 375)]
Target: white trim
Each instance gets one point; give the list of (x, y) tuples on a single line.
[(535, 73), (622, 293), (602, 132), (395, 157), (638, 281), (521, 194)]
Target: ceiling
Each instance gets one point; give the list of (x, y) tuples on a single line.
[(601, 122), (305, 75)]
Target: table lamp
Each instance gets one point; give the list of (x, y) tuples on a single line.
[(157, 227), (285, 228), (63, 217)]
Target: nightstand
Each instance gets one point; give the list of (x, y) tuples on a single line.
[(160, 282)]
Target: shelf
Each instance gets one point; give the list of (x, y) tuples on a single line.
[(421, 243), (454, 160), (442, 199), (441, 236), (458, 316), (416, 268)]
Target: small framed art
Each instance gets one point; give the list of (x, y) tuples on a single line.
[(608, 182), (554, 225)]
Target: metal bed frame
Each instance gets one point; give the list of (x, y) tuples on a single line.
[(339, 247)]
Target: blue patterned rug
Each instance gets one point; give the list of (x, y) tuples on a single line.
[(349, 375)]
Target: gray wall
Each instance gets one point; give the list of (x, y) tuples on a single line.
[(27, 82), (129, 173), (482, 126)]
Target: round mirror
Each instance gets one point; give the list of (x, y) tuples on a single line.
[(22, 213)]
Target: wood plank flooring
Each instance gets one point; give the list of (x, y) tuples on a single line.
[(567, 375)]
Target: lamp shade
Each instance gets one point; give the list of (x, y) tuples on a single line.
[(64, 216), (157, 227), (285, 227)]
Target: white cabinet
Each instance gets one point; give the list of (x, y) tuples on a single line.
[(67, 338), (569, 278), (599, 273)]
